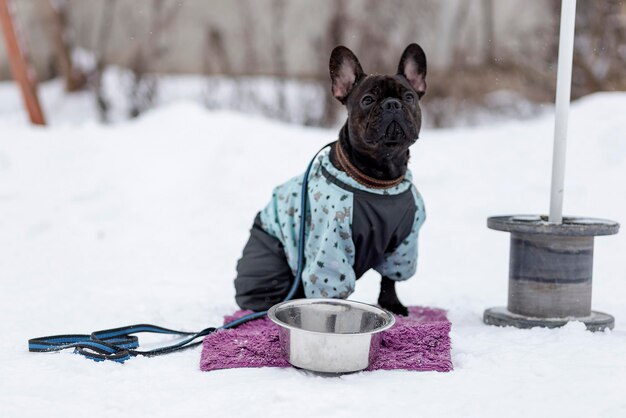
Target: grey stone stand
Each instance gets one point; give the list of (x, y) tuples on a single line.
[(550, 272)]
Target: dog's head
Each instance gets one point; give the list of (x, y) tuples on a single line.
[(384, 116)]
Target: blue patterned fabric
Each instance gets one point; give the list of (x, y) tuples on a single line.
[(330, 249)]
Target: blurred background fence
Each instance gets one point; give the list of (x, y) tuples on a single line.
[(270, 57)]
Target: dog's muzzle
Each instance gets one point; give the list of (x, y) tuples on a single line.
[(394, 128)]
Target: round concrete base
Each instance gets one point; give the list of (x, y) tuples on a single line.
[(502, 317)]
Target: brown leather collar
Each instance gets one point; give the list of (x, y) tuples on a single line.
[(358, 175)]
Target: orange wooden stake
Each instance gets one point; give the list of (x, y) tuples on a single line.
[(19, 65)]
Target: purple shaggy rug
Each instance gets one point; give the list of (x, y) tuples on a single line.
[(418, 342)]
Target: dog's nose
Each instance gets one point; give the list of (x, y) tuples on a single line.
[(391, 104)]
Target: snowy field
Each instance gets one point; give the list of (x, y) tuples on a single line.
[(143, 221)]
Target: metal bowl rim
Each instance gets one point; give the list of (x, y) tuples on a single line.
[(391, 320)]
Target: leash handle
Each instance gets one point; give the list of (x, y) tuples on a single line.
[(117, 344)]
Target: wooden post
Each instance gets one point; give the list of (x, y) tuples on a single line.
[(19, 65)]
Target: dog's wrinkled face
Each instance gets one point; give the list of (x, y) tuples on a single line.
[(384, 116), (384, 112)]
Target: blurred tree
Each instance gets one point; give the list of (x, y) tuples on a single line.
[(278, 52), (100, 51), (334, 36), (75, 79), (599, 47), (146, 51), (489, 42)]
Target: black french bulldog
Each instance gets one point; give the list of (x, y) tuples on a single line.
[(374, 221)]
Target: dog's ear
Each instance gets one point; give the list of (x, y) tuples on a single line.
[(413, 67), (345, 72)]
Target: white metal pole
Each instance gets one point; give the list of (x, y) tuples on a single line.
[(563, 89)]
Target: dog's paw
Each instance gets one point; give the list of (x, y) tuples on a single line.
[(394, 307)]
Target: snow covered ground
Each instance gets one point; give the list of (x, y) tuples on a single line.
[(143, 221)]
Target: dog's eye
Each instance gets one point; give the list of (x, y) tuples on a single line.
[(409, 97), (367, 100)]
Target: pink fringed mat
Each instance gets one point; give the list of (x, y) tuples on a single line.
[(418, 342)]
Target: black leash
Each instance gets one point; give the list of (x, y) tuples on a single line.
[(118, 344)]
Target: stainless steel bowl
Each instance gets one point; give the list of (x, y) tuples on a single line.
[(330, 335)]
